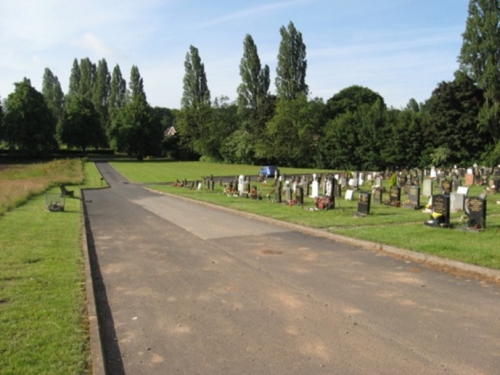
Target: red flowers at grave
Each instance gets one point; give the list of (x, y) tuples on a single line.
[(324, 203)]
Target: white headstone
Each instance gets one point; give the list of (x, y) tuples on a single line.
[(314, 189), (349, 195), (463, 190), (433, 172), (241, 184), (427, 190), (457, 202)]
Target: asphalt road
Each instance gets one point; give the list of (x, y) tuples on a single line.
[(183, 288)]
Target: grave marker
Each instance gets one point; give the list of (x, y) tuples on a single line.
[(476, 211), (441, 211), (349, 194), (364, 204), (395, 196), (457, 202), (414, 196), (445, 187), (377, 195)]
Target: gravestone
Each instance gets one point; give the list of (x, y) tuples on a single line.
[(343, 182), (241, 185), (378, 181), (469, 178), (476, 211), (299, 195), (338, 190), (441, 205), (349, 194), (253, 192), (277, 192), (445, 187), (377, 195), (330, 187), (315, 188), (414, 196), (288, 194), (364, 204), (457, 202), (355, 181), (305, 187), (395, 196), (428, 187), (463, 190)]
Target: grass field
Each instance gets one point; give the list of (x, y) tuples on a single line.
[(388, 225), (43, 318)]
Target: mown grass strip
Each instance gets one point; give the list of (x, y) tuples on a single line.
[(43, 320)]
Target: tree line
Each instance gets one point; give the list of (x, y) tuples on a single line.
[(354, 129)]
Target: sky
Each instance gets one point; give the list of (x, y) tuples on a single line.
[(401, 49)]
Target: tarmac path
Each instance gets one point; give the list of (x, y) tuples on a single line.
[(184, 288)]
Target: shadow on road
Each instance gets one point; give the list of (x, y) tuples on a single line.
[(110, 349)]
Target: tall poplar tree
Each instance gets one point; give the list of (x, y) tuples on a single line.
[(255, 80), (136, 85), (480, 58), (53, 94), (74, 79), (194, 118), (196, 93), (87, 78), (100, 92), (252, 99), (292, 64), (117, 92)]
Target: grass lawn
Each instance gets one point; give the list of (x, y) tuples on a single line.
[(43, 318), (400, 227)]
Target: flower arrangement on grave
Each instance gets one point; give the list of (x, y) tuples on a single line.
[(323, 203), (229, 191)]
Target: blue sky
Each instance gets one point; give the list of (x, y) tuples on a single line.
[(401, 49)]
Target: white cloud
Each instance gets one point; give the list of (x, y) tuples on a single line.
[(93, 44)]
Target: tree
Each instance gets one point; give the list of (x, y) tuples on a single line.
[(290, 134), (117, 92), (81, 127), (136, 85), (133, 130), (292, 64), (52, 92), (29, 124), (87, 78), (255, 80), (196, 93), (253, 93), (101, 92), (480, 58), (195, 115), (350, 99), (453, 109), (74, 79)]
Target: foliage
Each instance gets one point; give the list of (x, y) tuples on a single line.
[(81, 127), (52, 92), (29, 124), (101, 91), (350, 99), (117, 93), (196, 94), (292, 64), (480, 58), (454, 108)]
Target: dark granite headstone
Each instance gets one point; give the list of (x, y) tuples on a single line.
[(476, 211), (441, 205), (446, 187), (277, 192), (414, 196), (364, 203)]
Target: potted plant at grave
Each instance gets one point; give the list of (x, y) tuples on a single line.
[(394, 180)]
